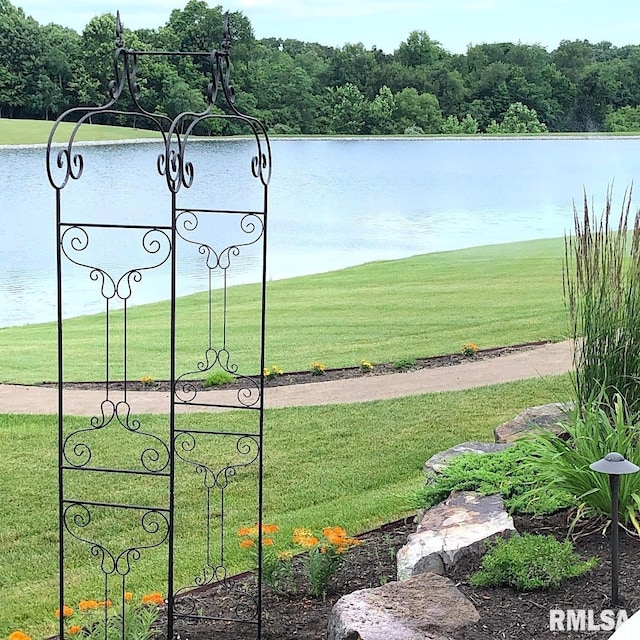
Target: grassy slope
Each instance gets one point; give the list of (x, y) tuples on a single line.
[(37, 132), (381, 311), (323, 467)]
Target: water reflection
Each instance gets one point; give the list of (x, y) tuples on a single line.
[(333, 203)]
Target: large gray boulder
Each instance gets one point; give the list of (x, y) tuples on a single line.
[(463, 524), (548, 417), (437, 462), (426, 607)]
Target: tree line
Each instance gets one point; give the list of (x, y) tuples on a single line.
[(309, 88)]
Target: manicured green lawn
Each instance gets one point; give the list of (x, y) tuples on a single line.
[(381, 312), (37, 132), (349, 465)]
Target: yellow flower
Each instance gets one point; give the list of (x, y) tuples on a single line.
[(73, 629), (153, 598), (301, 533), (246, 543), (285, 555), (85, 605), (67, 612), (19, 635), (128, 595)]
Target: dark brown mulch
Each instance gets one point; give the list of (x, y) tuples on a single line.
[(505, 613), (304, 377)]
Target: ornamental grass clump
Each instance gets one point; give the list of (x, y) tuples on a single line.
[(527, 562), (324, 556), (602, 292)]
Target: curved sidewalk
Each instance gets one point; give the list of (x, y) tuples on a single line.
[(548, 359)]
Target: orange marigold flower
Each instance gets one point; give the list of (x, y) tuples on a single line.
[(244, 531), (267, 542), (337, 532), (270, 528), (153, 598), (73, 629), (85, 605), (105, 603), (67, 611), (128, 595), (19, 635), (308, 542), (247, 543)]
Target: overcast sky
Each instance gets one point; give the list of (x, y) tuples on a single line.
[(385, 23)]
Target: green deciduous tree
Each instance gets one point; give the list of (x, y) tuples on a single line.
[(418, 109), (518, 119)]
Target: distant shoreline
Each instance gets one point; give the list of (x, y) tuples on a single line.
[(324, 138)]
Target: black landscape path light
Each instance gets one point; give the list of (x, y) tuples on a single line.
[(614, 465)]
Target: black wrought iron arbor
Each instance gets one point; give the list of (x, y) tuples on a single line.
[(120, 471)]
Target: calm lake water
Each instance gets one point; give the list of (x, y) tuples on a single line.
[(333, 203)]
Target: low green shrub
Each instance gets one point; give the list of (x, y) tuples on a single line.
[(526, 562), (218, 378), (523, 487), (405, 362)]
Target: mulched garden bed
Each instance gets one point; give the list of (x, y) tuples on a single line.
[(304, 377), (505, 613)]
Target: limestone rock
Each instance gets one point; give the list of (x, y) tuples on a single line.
[(426, 607), (546, 416), (461, 525), (436, 463)]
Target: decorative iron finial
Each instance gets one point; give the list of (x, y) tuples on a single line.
[(226, 37), (119, 40)]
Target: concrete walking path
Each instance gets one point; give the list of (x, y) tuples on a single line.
[(544, 360)]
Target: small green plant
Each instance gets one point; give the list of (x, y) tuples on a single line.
[(324, 554), (469, 349), (403, 363), (317, 368), (218, 378), (526, 562), (272, 372), (147, 381), (513, 473), (276, 566), (91, 622), (366, 366)]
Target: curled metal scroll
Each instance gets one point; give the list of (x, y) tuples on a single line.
[(251, 224), (77, 516), (75, 240), (246, 445), (186, 605), (78, 453)]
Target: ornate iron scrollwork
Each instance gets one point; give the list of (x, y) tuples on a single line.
[(144, 450)]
